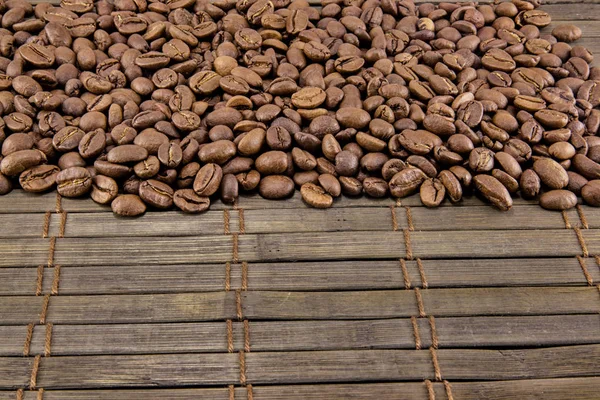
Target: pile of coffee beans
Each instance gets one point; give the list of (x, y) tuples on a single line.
[(170, 103)]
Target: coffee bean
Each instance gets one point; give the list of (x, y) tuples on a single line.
[(432, 193), (276, 187), (73, 182), (188, 201), (551, 173), (156, 193), (127, 153), (39, 178), (128, 205), (406, 182), (493, 191), (104, 189), (559, 200), (17, 162)]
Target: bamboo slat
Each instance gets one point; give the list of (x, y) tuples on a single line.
[(15, 372), (139, 370), (20, 310), (301, 276), (547, 389), (24, 252), (554, 362), (21, 226), (168, 224), (211, 337)]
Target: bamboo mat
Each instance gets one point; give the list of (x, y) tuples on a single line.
[(264, 300), (372, 299)]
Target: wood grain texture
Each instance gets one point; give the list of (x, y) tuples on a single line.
[(24, 252), (338, 366), (511, 301), (534, 389), (142, 308), (143, 251), (15, 372), (396, 333), (170, 224), (570, 361), (21, 226), (20, 310), (138, 370)]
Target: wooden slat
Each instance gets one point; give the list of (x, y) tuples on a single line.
[(578, 11), (473, 218), (21, 226), (511, 301), (548, 389), (210, 337), (334, 219), (130, 394), (12, 340), (589, 28), (168, 223), (338, 366), (301, 276), (24, 252), (142, 370), (15, 372), (205, 337), (20, 202), (549, 330), (143, 251), (553, 362), (142, 308), (431, 244), (591, 215), (482, 244), (20, 310)]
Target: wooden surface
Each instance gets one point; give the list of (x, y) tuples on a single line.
[(271, 300)]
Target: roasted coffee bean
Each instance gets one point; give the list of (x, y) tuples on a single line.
[(432, 193), (560, 200), (493, 191), (188, 201), (17, 162), (156, 193), (128, 205), (104, 189), (331, 184), (127, 153), (276, 187), (316, 196), (39, 179), (73, 182), (551, 173), (406, 182)]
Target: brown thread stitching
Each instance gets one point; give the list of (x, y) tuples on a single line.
[(420, 304), (242, 368), (55, 281), (241, 221), (405, 274), (58, 202), (409, 255), (566, 219), (244, 275), (597, 258), (46, 225), (48, 342), (39, 287), (409, 220), (227, 276), (226, 222), (436, 365), (63, 224), (413, 321), (246, 336), (238, 304), (434, 337), (394, 219), (40, 394), (51, 251), (398, 203), (34, 372), (448, 388), (27, 345), (422, 274), (44, 309), (582, 218), (231, 393), (229, 336), (430, 391), (586, 273), (581, 241), (249, 392), (235, 248), (20, 394)]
